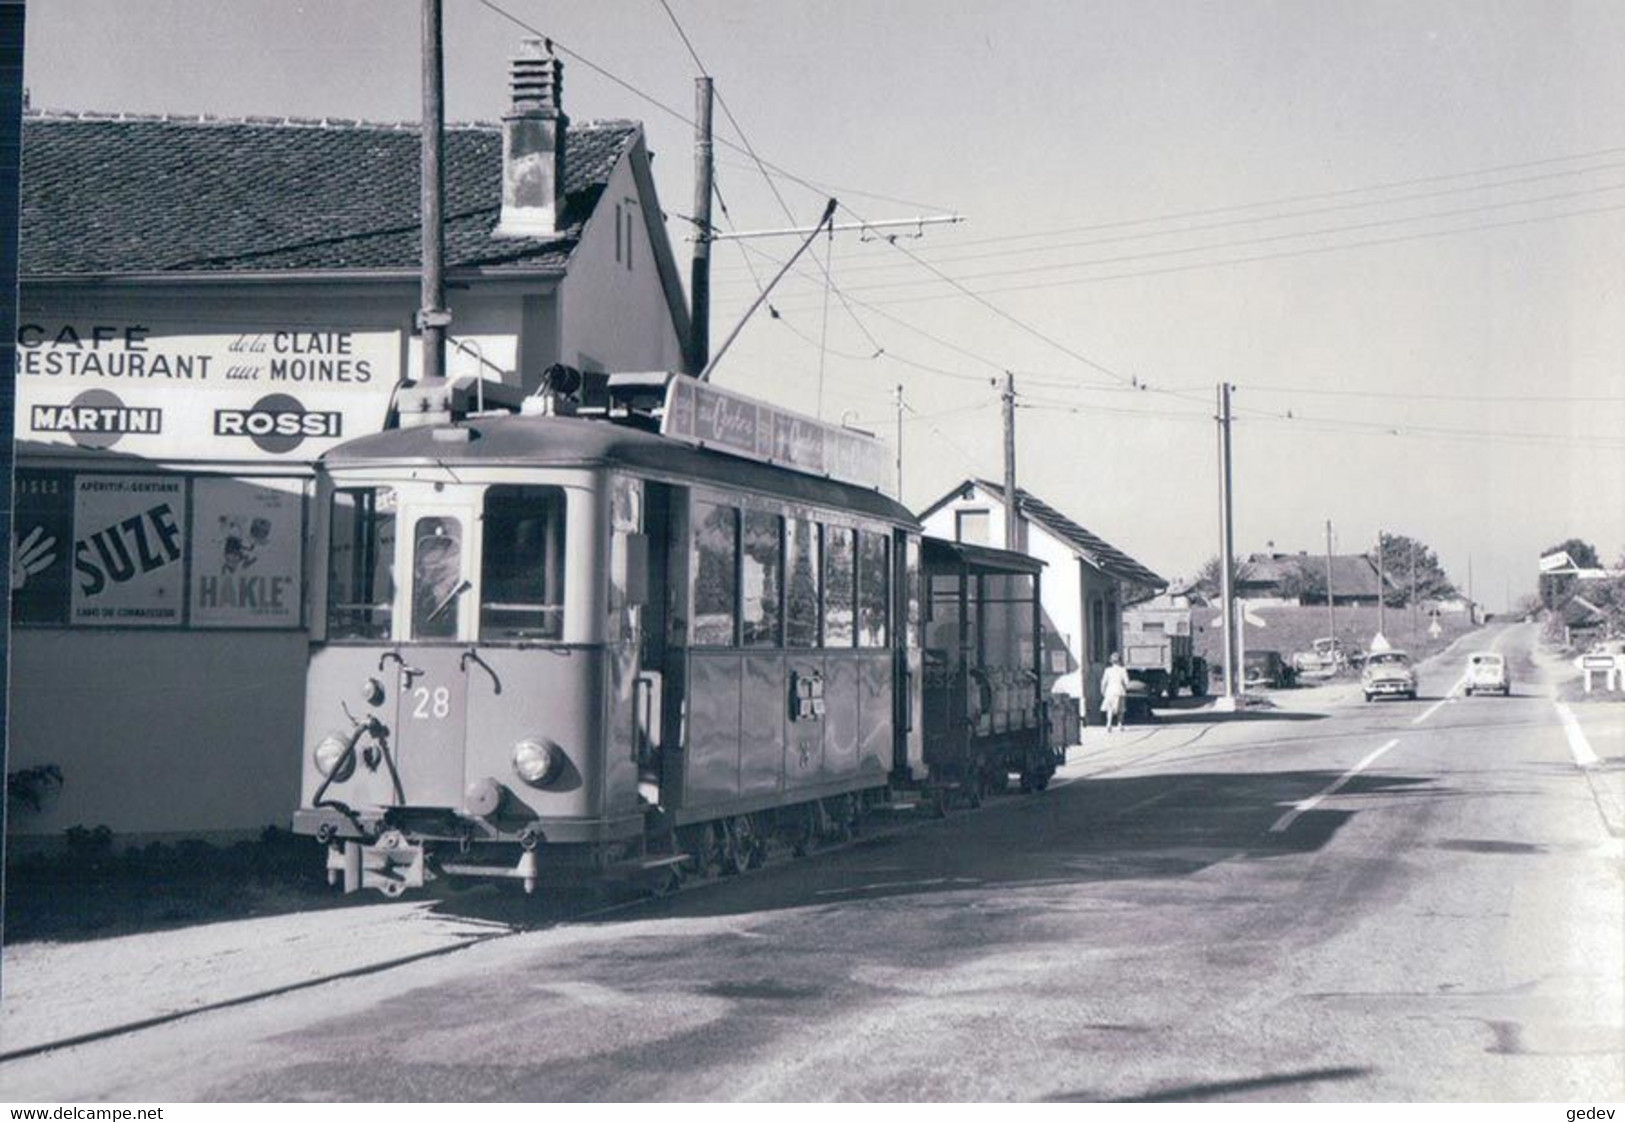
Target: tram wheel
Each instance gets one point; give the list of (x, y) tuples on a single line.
[(804, 832), (742, 847), (704, 849)]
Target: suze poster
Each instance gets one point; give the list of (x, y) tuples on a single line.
[(247, 556), (128, 550)]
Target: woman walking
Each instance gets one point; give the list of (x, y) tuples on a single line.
[(1114, 691)]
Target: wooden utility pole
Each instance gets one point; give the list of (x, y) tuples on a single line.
[(1227, 551), (1331, 612), (1011, 539), (1382, 592), (433, 319), (700, 274), (1412, 604), (899, 443)]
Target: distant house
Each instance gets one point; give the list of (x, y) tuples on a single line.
[(1086, 581), (1278, 579), (1583, 622)]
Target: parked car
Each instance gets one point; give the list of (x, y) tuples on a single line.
[(1267, 668), (1322, 661), (1388, 674), (1487, 673)]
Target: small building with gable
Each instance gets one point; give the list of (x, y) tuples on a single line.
[(1086, 580)]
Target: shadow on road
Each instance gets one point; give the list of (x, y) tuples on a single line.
[(1206, 717), (1203, 1092), (1090, 831)]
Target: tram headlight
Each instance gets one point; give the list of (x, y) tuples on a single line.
[(537, 761), (329, 752)]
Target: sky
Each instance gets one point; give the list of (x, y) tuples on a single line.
[(1397, 228)]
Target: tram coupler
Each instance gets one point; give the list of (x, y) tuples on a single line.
[(391, 864)]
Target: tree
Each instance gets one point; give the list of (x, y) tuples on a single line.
[(1432, 582), (1305, 582), (1207, 577), (1556, 588)]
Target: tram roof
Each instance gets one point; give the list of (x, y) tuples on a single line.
[(977, 558), (539, 441)]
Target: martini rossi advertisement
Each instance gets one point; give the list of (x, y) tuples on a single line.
[(174, 391)]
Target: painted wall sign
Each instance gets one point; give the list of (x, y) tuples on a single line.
[(703, 414), (128, 550), (42, 546), (247, 564), (178, 391)]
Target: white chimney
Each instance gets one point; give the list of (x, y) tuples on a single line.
[(533, 132)]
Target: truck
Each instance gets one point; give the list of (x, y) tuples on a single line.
[(1160, 651)]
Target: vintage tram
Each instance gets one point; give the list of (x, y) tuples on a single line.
[(645, 625)]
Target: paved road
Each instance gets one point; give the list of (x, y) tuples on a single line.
[(1396, 901)]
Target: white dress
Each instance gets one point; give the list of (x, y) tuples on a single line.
[(1114, 687)]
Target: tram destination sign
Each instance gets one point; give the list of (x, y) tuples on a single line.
[(703, 414)]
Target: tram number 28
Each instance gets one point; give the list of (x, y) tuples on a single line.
[(430, 704)]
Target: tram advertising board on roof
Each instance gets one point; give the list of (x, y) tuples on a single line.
[(700, 413)]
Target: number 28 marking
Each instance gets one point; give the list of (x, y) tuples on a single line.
[(434, 704)]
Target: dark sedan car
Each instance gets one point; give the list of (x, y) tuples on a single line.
[(1267, 668)]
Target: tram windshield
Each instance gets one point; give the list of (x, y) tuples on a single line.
[(522, 577), (361, 563)]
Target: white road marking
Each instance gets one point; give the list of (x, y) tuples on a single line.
[(1291, 816), (1449, 697), (1579, 746)]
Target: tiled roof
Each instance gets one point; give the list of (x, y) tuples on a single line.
[(1097, 551), (1353, 574), (108, 195)]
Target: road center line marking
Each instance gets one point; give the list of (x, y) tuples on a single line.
[(1291, 816), (1579, 746), (1450, 695)]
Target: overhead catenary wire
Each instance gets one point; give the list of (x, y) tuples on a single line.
[(951, 257), (1239, 243), (1309, 251), (1303, 422)]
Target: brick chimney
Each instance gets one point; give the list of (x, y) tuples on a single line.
[(533, 132)]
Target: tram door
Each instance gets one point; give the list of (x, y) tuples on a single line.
[(908, 753), (660, 680)]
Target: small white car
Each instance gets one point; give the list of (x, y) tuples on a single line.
[(1388, 674), (1487, 673)]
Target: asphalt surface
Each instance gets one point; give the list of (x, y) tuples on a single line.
[(1331, 900)]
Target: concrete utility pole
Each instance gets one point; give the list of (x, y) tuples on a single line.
[(700, 274), (1331, 616), (1227, 538), (1011, 539), (433, 319), (899, 443), (1382, 591)]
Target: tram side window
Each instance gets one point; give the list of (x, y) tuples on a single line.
[(874, 573), (804, 581), (361, 564), (714, 564), (522, 574), (840, 556), (762, 577)]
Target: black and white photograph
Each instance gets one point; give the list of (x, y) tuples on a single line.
[(1037, 551)]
